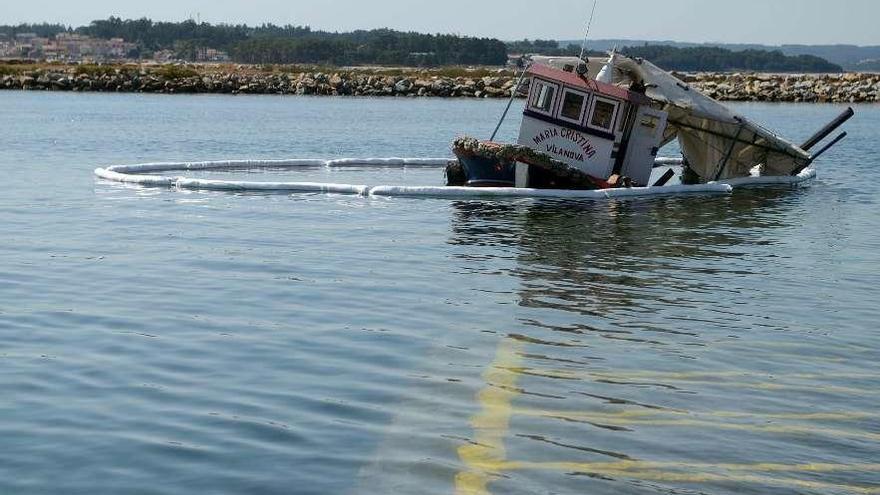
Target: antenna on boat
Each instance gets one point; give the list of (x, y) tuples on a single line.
[(581, 70), (587, 33), (516, 87)]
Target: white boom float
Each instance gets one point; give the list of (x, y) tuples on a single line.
[(150, 174)]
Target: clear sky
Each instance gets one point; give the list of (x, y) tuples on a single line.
[(743, 21)]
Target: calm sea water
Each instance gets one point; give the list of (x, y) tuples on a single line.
[(165, 342)]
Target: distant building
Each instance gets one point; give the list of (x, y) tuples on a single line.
[(516, 60), (211, 55), (24, 47), (65, 47), (164, 56)]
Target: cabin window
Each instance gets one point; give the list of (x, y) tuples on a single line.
[(604, 112), (544, 97), (626, 115), (573, 103)]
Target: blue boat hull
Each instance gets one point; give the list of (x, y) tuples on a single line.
[(488, 172)]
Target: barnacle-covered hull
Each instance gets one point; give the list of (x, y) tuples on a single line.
[(488, 164)]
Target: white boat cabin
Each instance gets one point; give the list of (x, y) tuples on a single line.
[(598, 128)]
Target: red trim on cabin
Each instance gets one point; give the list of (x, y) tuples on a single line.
[(591, 85)]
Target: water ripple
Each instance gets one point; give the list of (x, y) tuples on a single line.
[(170, 342)]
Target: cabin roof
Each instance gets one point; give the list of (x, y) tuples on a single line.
[(574, 80)]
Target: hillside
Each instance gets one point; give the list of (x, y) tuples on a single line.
[(850, 57), (272, 44), (269, 43), (704, 58)]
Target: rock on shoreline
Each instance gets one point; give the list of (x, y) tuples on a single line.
[(811, 88), (843, 88), (247, 81)]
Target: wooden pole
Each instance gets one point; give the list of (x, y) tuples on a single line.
[(819, 153), (729, 152), (828, 129)]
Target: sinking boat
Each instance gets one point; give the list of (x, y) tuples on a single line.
[(598, 124), (591, 129)]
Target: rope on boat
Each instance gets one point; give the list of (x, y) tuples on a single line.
[(149, 174)]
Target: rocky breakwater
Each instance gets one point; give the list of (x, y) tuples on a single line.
[(811, 88), (174, 79), (464, 83)]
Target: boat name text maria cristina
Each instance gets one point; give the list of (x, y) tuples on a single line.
[(579, 139)]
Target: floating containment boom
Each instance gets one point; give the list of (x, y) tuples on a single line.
[(150, 174)]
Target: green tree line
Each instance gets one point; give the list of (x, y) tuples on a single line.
[(721, 59), (543, 47), (381, 46), (270, 43), (43, 30)]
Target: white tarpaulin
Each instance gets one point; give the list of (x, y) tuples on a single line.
[(717, 143)]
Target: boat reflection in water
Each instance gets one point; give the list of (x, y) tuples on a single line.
[(623, 371)]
